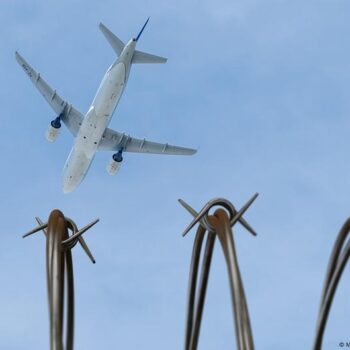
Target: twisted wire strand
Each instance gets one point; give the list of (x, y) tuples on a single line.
[(240, 310), (196, 301), (337, 263), (192, 284), (56, 232)]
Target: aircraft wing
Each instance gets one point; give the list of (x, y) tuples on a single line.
[(71, 117), (115, 141)]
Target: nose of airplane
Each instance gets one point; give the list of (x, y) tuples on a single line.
[(69, 183), (67, 189), (75, 170), (68, 186)]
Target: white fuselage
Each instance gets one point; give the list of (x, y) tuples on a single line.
[(97, 119)]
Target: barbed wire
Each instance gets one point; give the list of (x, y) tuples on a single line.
[(59, 267), (220, 224)]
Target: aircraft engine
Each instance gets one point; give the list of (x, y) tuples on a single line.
[(115, 163), (54, 130)]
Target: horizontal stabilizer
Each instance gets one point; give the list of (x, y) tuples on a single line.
[(115, 42), (143, 57)]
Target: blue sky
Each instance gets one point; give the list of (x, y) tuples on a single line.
[(260, 87)]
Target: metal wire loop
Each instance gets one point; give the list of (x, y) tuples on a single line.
[(234, 215)]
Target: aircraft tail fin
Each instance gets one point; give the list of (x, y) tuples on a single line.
[(116, 43), (144, 57), (142, 29)]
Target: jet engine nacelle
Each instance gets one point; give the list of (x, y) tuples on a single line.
[(115, 164), (52, 134), (54, 130)]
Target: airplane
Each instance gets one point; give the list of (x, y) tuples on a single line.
[(91, 131)]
